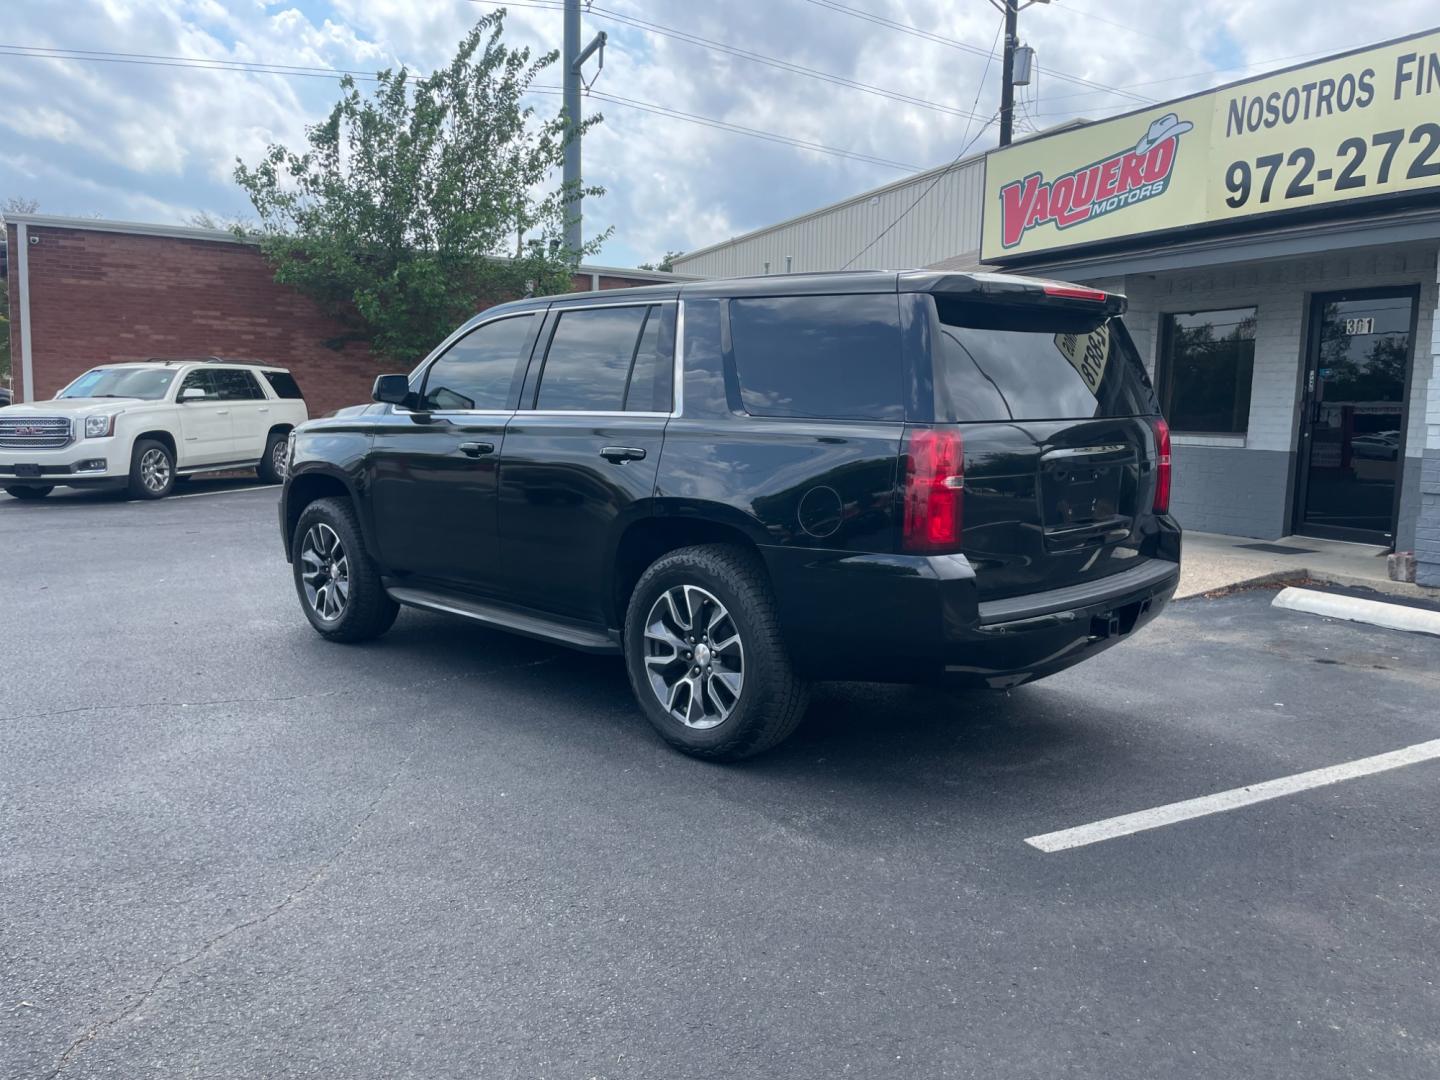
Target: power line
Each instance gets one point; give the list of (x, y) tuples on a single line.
[(741, 129), (40, 52), (921, 197), (1195, 75), (964, 46), (202, 63), (744, 54)]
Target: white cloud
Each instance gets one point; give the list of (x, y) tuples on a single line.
[(122, 139)]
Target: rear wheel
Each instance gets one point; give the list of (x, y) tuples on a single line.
[(705, 655), (152, 470), (27, 493), (271, 469), (336, 580)]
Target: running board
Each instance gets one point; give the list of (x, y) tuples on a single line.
[(229, 466), (504, 618)]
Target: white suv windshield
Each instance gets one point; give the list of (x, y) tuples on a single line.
[(148, 384)]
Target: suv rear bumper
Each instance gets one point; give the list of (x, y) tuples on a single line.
[(905, 618)]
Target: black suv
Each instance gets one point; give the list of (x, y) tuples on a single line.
[(745, 485)]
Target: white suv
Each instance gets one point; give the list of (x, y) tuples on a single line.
[(145, 425)]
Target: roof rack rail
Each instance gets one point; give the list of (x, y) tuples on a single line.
[(167, 360), (208, 360)]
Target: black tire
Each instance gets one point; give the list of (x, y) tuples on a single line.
[(151, 476), (28, 493), (271, 469), (771, 700), (366, 610)]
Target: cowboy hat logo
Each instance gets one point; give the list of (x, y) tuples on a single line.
[(1168, 126)]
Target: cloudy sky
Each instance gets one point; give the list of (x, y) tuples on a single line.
[(155, 142)]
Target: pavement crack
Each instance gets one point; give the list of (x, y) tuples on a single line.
[(316, 876)]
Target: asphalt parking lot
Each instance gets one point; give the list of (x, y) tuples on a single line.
[(230, 849)]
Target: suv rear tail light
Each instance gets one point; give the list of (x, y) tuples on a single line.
[(934, 490), (1162, 466)]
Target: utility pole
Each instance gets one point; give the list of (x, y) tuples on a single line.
[(573, 58), (1007, 74)]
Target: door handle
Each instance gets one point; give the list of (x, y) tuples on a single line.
[(264, 408), (620, 454), (477, 449), (222, 412)]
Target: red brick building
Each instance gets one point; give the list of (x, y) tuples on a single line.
[(86, 292)]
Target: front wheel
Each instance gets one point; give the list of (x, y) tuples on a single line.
[(27, 493), (705, 655), (337, 582), (152, 470), (271, 469)]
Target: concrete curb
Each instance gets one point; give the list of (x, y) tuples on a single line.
[(1354, 609)]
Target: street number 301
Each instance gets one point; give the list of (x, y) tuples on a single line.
[(1240, 178)]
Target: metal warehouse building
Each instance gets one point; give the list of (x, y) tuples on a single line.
[(1279, 240)]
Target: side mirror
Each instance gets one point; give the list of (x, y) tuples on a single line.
[(393, 390), (192, 393)]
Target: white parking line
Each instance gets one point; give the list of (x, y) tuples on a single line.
[(1172, 813), (227, 491)]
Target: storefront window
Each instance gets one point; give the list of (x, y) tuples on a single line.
[(1207, 358)]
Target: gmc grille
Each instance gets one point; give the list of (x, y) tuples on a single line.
[(35, 432)]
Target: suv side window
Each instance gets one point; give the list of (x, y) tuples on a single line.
[(653, 373), (826, 357), (587, 367), (284, 385), (232, 384), (478, 370), (199, 379)]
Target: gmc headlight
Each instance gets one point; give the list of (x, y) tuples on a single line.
[(99, 427)]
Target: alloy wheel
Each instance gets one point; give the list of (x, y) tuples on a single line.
[(154, 470), (277, 460), (325, 572), (694, 658)]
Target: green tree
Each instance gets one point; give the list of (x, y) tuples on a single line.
[(666, 265), (423, 200)]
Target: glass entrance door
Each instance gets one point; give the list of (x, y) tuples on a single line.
[(1353, 420)]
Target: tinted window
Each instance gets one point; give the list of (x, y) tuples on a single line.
[(476, 372), (232, 384), (588, 364), (654, 368), (836, 357), (199, 379), (1206, 363), (284, 385), (147, 384), (1030, 364)]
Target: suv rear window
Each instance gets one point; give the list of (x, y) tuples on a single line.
[(826, 357), (284, 385), (1030, 363)]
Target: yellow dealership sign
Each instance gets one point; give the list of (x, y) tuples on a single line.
[(1365, 125)]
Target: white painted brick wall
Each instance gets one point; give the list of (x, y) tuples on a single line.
[(1280, 290)]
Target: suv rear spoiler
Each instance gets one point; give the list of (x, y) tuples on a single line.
[(1011, 289)]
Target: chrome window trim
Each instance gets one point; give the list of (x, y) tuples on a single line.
[(591, 412), (677, 389)]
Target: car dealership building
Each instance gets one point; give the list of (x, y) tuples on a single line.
[(1278, 241)]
